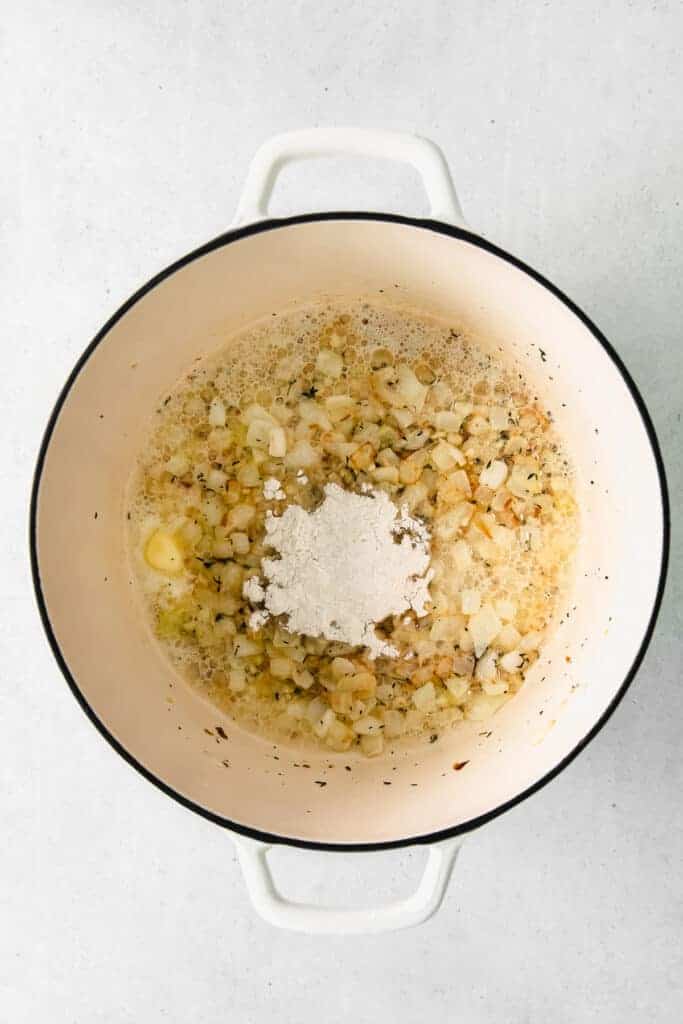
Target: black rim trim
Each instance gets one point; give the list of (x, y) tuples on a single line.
[(439, 228)]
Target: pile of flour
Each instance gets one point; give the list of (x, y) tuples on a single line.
[(343, 568)]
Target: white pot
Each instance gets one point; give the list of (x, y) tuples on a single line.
[(85, 592)]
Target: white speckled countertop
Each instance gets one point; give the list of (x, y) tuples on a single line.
[(126, 132)]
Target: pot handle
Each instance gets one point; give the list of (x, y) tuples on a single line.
[(306, 917), (311, 143)]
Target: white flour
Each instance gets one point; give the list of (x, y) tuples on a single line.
[(272, 489), (345, 567)]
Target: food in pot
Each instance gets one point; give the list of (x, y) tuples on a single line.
[(353, 525)]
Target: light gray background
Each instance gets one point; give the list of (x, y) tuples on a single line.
[(126, 132)]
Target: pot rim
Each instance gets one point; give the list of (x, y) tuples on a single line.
[(270, 224)]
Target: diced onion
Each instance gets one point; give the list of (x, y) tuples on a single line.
[(217, 413), (483, 628)]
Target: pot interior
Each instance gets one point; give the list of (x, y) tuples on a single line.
[(104, 639)]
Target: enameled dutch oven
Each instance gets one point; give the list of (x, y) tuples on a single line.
[(104, 646)]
